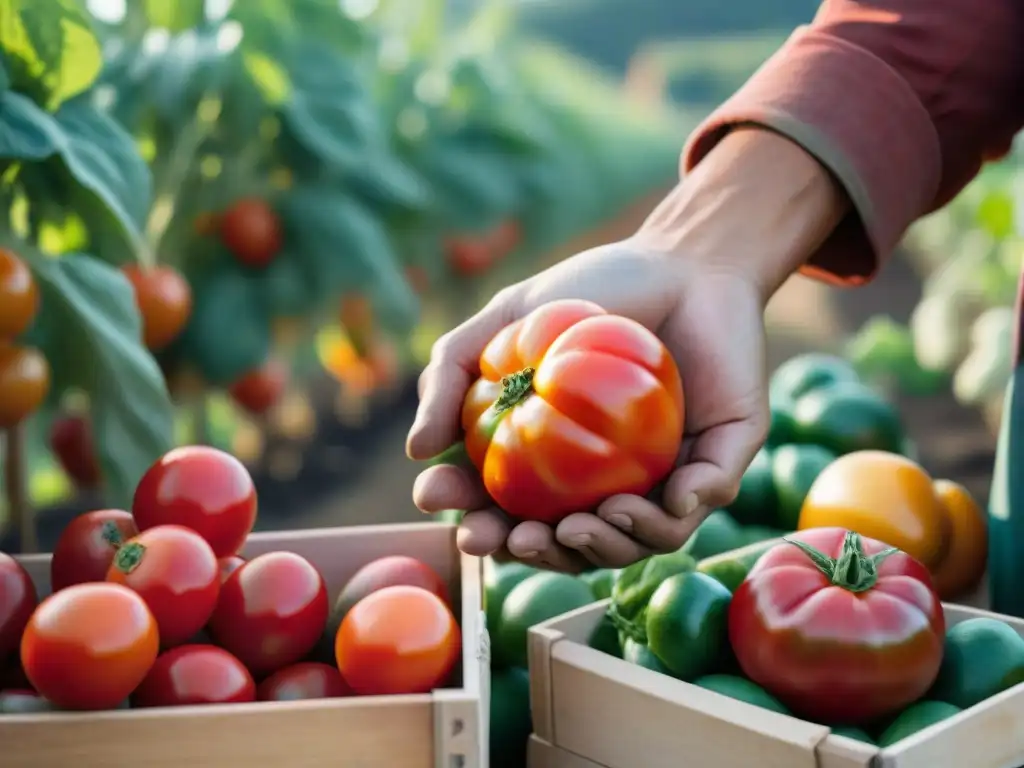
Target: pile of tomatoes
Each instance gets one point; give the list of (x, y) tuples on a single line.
[(156, 608)]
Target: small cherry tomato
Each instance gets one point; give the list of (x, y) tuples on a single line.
[(18, 599), (470, 255), (390, 571), (259, 390), (164, 299), (23, 701), (176, 573), (397, 640), (252, 232), (24, 382), (272, 611), (87, 546), (88, 646), (306, 680), (201, 488), (72, 446), (229, 565), (195, 674), (19, 297)]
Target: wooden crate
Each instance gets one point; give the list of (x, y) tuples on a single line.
[(614, 714), (544, 755), (442, 729)]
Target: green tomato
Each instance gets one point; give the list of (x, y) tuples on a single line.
[(499, 580), (848, 417), (781, 430), (982, 657), (755, 501), (741, 689), (732, 569), (794, 470), (532, 601), (600, 581), (916, 718), (686, 624), (717, 534), (809, 372), (511, 723)]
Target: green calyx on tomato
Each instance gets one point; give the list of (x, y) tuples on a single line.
[(129, 557), (852, 570), (111, 534), (982, 657), (514, 389)]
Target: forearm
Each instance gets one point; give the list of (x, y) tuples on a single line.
[(758, 205)]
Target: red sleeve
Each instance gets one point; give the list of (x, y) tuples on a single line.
[(903, 100)]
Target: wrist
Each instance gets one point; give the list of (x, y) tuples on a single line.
[(758, 205)]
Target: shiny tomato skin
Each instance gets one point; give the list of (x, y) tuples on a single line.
[(164, 299), (389, 571), (272, 611), (174, 570), (605, 414), (830, 654), (306, 680), (87, 546), (397, 640), (18, 599), (201, 488), (252, 232), (89, 646), (259, 390), (229, 565), (19, 296), (195, 674), (24, 383), (72, 445)]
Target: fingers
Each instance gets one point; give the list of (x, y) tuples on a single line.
[(445, 486), (483, 532), (647, 523), (535, 544), (446, 379), (600, 542)]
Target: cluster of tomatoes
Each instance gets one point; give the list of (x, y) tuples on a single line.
[(157, 608), (24, 372)]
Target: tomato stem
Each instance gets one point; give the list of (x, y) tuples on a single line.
[(630, 629), (111, 534), (515, 388), (853, 569), (129, 556)]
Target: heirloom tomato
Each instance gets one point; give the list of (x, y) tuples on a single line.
[(17, 601), (841, 629), (195, 674), (306, 680), (174, 570), (87, 546), (573, 405), (89, 646)]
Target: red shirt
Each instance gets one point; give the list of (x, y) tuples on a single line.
[(903, 100)]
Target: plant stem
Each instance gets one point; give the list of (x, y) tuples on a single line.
[(18, 506)]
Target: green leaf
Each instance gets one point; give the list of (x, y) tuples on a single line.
[(51, 50), (94, 343), (27, 132), (386, 180), (176, 16), (995, 214)]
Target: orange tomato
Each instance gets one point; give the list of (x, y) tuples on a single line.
[(399, 639), (964, 565), (884, 496), (24, 382), (19, 297), (259, 390), (89, 646), (164, 300), (573, 405)]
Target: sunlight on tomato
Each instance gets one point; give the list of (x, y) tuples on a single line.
[(399, 639), (89, 646), (195, 674)]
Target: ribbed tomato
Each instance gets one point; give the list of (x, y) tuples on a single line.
[(841, 629), (573, 405)]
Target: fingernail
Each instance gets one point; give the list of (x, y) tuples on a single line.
[(621, 522), (528, 555), (691, 504), (581, 540)]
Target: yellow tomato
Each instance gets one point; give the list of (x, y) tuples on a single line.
[(963, 567), (884, 496)]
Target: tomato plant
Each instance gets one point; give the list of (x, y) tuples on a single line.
[(307, 680), (399, 639), (195, 674), (260, 389), (594, 398), (19, 296), (272, 611), (252, 232), (176, 573), (201, 488), (164, 300), (17, 601), (72, 446), (87, 546), (389, 571), (89, 646), (840, 628), (24, 383)]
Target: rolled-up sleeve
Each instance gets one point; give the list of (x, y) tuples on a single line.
[(902, 100)]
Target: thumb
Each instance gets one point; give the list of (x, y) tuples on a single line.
[(454, 363)]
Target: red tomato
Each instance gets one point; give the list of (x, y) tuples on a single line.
[(176, 573), (390, 571), (164, 299), (201, 488), (229, 565), (259, 390), (397, 640), (842, 629), (195, 674), (71, 443), (308, 680), (18, 599), (572, 406), (87, 546), (272, 611), (252, 232), (19, 296), (470, 255), (89, 646)]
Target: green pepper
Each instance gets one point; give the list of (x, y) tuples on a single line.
[(635, 584), (732, 568), (686, 624), (600, 581)]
